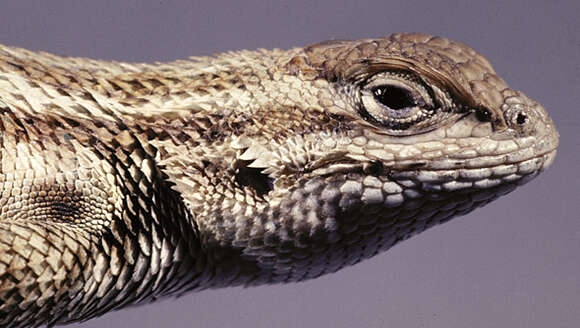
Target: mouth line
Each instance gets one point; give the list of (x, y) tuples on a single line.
[(480, 162), (447, 179), (466, 178)]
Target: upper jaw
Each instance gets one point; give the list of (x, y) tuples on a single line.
[(491, 156), (468, 178)]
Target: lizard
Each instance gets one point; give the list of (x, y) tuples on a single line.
[(122, 183)]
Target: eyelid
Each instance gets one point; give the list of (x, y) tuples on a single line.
[(439, 105), (404, 120)]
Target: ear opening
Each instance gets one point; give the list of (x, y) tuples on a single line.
[(253, 178)]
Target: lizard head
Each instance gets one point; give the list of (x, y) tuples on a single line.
[(357, 145), (423, 103)]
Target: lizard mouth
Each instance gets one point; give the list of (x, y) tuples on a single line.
[(482, 177), (456, 175), (463, 171)]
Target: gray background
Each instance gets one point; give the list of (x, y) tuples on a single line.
[(514, 263)]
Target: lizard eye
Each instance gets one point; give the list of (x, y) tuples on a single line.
[(393, 97), (396, 100)]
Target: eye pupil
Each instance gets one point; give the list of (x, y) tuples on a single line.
[(393, 97)]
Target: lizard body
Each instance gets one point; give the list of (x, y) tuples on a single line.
[(122, 183)]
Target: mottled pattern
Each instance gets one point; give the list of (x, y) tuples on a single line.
[(121, 183)]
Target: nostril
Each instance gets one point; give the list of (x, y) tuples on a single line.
[(521, 118)]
